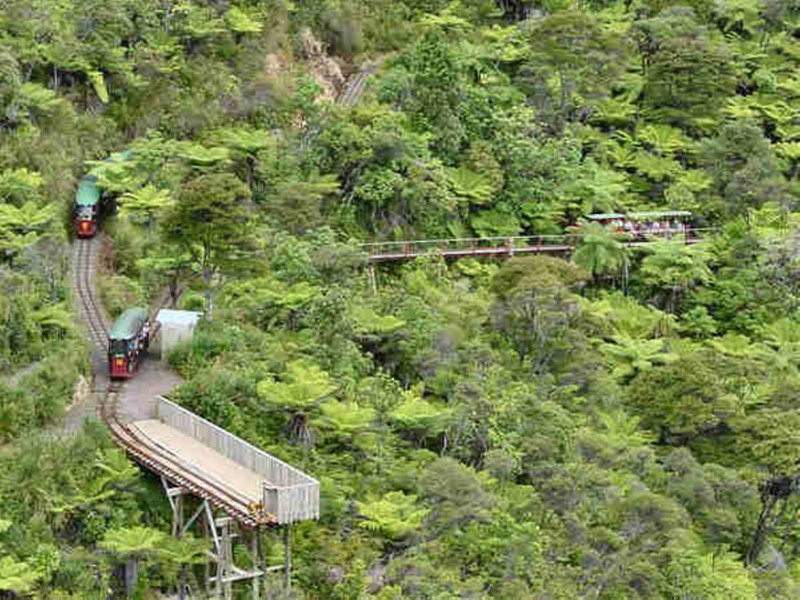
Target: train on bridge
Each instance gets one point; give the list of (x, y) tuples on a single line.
[(663, 223)]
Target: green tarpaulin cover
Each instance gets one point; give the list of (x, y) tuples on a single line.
[(128, 324), (88, 193)]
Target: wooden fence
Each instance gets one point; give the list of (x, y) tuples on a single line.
[(289, 494)]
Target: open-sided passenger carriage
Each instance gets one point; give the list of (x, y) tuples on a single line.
[(653, 223), (128, 339)]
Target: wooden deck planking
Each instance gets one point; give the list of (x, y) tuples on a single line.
[(206, 462)]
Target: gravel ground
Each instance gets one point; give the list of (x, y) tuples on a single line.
[(153, 379), (136, 397)]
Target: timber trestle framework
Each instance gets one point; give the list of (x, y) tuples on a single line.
[(222, 531), (234, 491)]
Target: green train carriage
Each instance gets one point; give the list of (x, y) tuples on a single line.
[(128, 340)]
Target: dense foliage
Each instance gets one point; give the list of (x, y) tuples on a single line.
[(622, 424)]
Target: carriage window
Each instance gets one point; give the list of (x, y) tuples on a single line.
[(85, 212), (118, 346)]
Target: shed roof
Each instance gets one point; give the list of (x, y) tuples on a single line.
[(88, 194), (128, 324), (181, 318)]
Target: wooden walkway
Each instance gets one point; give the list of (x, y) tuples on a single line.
[(382, 252)]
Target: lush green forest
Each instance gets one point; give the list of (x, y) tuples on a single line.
[(620, 424)]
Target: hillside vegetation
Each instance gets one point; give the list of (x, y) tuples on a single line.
[(622, 424)]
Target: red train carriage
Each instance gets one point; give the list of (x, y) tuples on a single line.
[(89, 198), (87, 207), (128, 339)]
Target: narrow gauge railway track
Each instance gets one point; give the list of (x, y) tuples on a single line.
[(141, 450), (85, 267)]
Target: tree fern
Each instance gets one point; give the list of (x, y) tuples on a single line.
[(302, 385), (240, 22), (396, 515), (134, 541), (99, 84), (18, 577), (473, 187)]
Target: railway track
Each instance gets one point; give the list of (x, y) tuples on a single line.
[(144, 451), (85, 267), (354, 87)]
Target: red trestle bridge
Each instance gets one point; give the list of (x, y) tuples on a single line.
[(383, 252)]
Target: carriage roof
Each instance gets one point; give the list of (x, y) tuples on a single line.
[(640, 216), (128, 324), (661, 214), (88, 193), (605, 216)]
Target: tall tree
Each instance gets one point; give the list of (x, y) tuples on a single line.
[(572, 60), (210, 221), (687, 71)]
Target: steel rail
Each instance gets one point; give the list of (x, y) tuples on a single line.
[(84, 270)]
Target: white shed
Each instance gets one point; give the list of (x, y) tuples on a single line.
[(176, 325)]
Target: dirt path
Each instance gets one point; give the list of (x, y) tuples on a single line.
[(15, 378), (135, 400)]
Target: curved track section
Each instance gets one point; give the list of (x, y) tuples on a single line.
[(140, 449), (171, 468)]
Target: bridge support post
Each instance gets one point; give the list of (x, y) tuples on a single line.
[(175, 499), (221, 530), (254, 554), (226, 559)]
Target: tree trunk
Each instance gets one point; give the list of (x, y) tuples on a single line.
[(173, 292), (625, 277), (131, 575), (769, 501)]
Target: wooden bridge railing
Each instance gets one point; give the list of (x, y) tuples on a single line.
[(508, 246), (288, 493)]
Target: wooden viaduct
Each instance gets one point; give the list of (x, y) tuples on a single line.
[(226, 482), (216, 481)]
